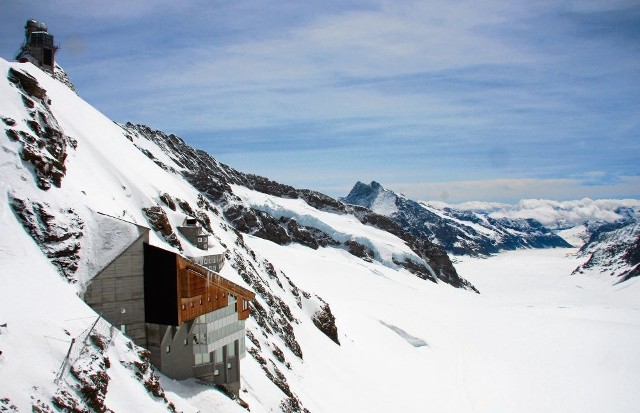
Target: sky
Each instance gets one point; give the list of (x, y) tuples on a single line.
[(441, 100)]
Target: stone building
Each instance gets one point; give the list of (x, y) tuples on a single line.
[(194, 232), (198, 237)]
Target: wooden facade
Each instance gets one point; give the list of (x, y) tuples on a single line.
[(179, 290), (202, 291)]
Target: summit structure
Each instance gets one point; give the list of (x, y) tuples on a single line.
[(38, 47)]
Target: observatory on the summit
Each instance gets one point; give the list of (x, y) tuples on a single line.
[(38, 47)]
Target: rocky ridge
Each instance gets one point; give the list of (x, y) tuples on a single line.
[(612, 249), (214, 179), (458, 232)]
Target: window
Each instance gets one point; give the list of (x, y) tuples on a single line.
[(168, 349), (186, 341), (184, 307), (218, 355), (123, 329), (47, 57)]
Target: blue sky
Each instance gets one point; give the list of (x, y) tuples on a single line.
[(440, 100)]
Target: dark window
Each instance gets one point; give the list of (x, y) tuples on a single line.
[(47, 59)]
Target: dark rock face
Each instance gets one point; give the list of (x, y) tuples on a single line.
[(324, 320), (457, 231), (359, 250), (45, 146), (613, 249), (58, 233), (168, 201), (62, 77), (160, 223)]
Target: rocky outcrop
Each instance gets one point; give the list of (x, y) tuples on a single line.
[(57, 232), (44, 145), (62, 76), (614, 250), (324, 320), (160, 223)]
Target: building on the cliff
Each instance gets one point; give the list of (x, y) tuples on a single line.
[(38, 47), (196, 235), (190, 318), (194, 232)]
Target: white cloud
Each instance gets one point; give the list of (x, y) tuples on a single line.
[(513, 190)]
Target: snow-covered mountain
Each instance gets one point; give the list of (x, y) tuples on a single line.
[(351, 312), (65, 166), (613, 250), (459, 232)]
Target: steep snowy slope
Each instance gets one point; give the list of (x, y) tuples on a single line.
[(65, 167), (612, 250), (44, 317), (459, 232)]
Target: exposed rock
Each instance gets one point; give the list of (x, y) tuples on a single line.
[(57, 233), (276, 320), (45, 149), (359, 250), (160, 223), (322, 202), (12, 135), (325, 321), (420, 270), (27, 83), (168, 201), (7, 406), (8, 121), (614, 250), (185, 207), (62, 76)]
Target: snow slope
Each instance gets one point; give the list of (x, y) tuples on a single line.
[(536, 339)]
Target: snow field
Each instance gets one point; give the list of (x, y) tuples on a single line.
[(536, 339)]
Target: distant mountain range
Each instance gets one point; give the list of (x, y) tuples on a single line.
[(457, 231)]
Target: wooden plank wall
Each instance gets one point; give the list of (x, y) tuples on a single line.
[(201, 291)]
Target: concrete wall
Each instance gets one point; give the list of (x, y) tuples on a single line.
[(177, 363), (120, 286)]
